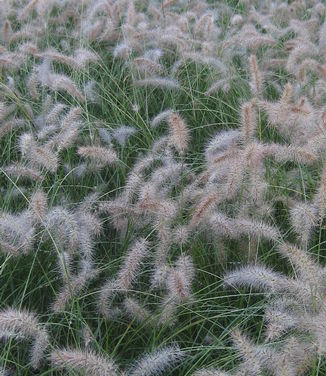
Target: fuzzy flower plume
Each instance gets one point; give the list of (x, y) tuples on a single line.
[(179, 133), (23, 324), (157, 362), (83, 362), (131, 264)]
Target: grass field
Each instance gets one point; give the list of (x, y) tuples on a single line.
[(163, 187)]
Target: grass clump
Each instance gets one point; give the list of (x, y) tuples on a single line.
[(162, 187)]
